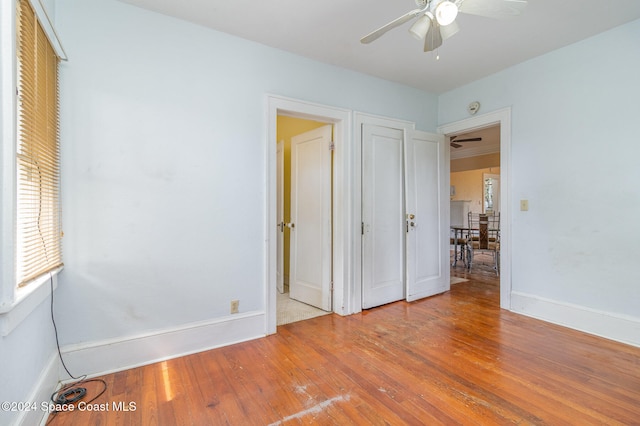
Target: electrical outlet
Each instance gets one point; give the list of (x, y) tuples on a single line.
[(235, 306)]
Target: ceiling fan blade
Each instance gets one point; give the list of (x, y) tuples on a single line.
[(433, 39), (499, 9), (455, 145), (391, 25), (469, 140)]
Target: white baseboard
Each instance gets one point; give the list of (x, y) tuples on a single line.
[(109, 356), (42, 390), (621, 328)]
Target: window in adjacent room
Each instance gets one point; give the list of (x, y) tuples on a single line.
[(38, 245)]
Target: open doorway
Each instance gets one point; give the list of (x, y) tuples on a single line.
[(341, 214), (475, 183), (499, 121), (304, 210)]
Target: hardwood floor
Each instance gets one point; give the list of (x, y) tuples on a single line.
[(451, 359)]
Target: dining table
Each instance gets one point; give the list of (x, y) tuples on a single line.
[(460, 231)]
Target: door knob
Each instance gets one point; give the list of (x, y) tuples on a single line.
[(412, 216)]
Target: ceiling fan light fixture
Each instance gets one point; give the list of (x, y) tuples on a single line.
[(420, 28), (446, 12), (447, 31)]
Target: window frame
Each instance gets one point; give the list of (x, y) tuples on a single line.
[(16, 303)]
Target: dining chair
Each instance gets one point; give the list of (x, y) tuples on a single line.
[(484, 237), (458, 239)]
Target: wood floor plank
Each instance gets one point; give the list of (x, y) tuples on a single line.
[(455, 358)]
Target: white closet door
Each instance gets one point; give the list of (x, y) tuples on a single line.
[(426, 195), (383, 238)]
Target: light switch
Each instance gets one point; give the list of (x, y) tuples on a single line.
[(524, 205)]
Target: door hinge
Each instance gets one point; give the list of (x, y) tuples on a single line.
[(362, 229), (332, 146)]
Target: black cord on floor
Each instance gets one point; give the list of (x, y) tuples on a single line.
[(55, 330), (71, 392)]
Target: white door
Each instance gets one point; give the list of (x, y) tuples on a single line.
[(383, 222), (310, 244), (426, 195), (280, 215)]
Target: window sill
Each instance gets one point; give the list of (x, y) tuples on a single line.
[(27, 299)]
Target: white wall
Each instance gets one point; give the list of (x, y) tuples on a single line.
[(575, 158), (163, 163)]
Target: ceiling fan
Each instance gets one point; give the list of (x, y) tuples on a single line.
[(454, 142), (436, 18)]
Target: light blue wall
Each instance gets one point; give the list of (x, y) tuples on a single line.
[(163, 132), (163, 158), (27, 351), (575, 157), (25, 354)]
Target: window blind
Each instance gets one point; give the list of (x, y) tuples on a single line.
[(38, 245)]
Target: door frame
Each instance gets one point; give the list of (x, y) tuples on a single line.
[(503, 118), (343, 194)]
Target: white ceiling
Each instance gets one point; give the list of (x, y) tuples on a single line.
[(330, 30)]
